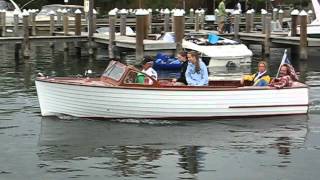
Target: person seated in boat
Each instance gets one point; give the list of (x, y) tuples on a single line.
[(147, 64), (197, 72), (287, 76), (182, 57), (261, 78)]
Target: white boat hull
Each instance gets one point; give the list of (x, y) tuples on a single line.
[(117, 102)]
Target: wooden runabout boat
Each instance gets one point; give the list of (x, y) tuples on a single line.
[(125, 92)]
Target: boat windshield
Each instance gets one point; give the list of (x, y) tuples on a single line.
[(6, 5), (114, 71)]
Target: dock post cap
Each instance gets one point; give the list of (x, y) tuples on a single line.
[(123, 11), (197, 11), (64, 11), (141, 12), (166, 11), (236, 12), (16, 12), (295, 12), (303, 13), (173, 10), (281, 11), (157, 10), (150, 10), (249, 11), (263, 11), (78, 11), (310, 12), (178, 12), (191, 10), (94, 11), (59, 10), (275, 9), (253, 11), (202, 11), (25, 13), (113, 12), (216, 10), (53, 13)]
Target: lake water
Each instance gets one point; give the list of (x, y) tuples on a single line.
[(34, 147)]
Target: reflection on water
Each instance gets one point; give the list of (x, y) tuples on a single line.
[(139, 150), (33, 147)]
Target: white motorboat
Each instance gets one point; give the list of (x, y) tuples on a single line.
[(118, 94), (222, 53), (44, 14)]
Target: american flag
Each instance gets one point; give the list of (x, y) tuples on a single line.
[(285, 60)]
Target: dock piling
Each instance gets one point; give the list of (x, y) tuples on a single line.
[(294, 22), (33, 22), (267, 42), (236, 25), (263, 20), (303, 35), (94, 19), (281, 17), (52, 23), (248, 21), (202, 19), (112, 33), (172, 21), (16, 23), (166, 20), (78, 31), (65, 28), (123, 21), (252, 19), (274, 14), (191, 15), (3, 22), (197, 20), (179, 21), (59, 17), (26, 40), (150, 21), (140, 18)]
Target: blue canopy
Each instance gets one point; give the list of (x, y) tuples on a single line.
[(213, 39)]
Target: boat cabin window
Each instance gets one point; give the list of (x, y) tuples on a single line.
[(114, 71), (134, 77)]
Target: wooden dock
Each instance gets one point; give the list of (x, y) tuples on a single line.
[(144, 39), (49, 39), (257, 37)]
